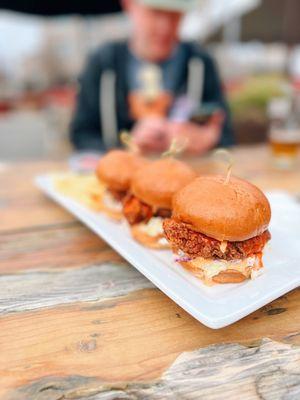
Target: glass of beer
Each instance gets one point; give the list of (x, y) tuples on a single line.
[(285, 144), (284, 135)]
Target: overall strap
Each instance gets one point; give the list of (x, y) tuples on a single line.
[(107, 104), (195, 79)]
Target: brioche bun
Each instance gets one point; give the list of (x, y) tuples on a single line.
[(233, 211), (156, 183), (117, 167)]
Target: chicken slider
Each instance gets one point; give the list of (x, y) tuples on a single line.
[(150, 199), (219, 229), (115, 171)]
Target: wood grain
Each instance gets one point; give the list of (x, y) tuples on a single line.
[(269, 372), (38, 289), (53, 247), (134, 337), (22, 205)]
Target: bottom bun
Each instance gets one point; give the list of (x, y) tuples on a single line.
[(230, 276), (110, 207), (154, 242), (232, 273)]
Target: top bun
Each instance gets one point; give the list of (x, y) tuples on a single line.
[(117, 167), (234, 211), (156, 183)]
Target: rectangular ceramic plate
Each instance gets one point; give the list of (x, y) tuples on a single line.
[(216, 306)]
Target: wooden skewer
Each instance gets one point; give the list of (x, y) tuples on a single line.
[(126, 140), (228, 159), (176, 147)]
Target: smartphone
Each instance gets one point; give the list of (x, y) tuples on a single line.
[(202, 115)]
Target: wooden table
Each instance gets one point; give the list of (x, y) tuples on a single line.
[(78, 322)]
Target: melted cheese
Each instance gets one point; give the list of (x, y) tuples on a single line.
[(153, 227)]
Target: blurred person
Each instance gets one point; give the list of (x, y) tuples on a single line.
[(145, 84)]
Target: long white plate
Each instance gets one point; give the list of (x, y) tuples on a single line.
[(216, 306)]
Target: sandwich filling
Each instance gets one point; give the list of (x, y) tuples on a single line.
[(214, 271), (148, 219), (153, 231), (154, 227), (208, 257), (136, 212)]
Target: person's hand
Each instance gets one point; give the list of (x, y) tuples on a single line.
[(199, 138), (151, 135)]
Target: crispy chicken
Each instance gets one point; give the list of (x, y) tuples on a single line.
[(195, 244), (136, 211)]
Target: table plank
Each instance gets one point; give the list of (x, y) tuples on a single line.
[(22, 205), (130, 338), (217, 372), (40, 289), (67, 245)]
